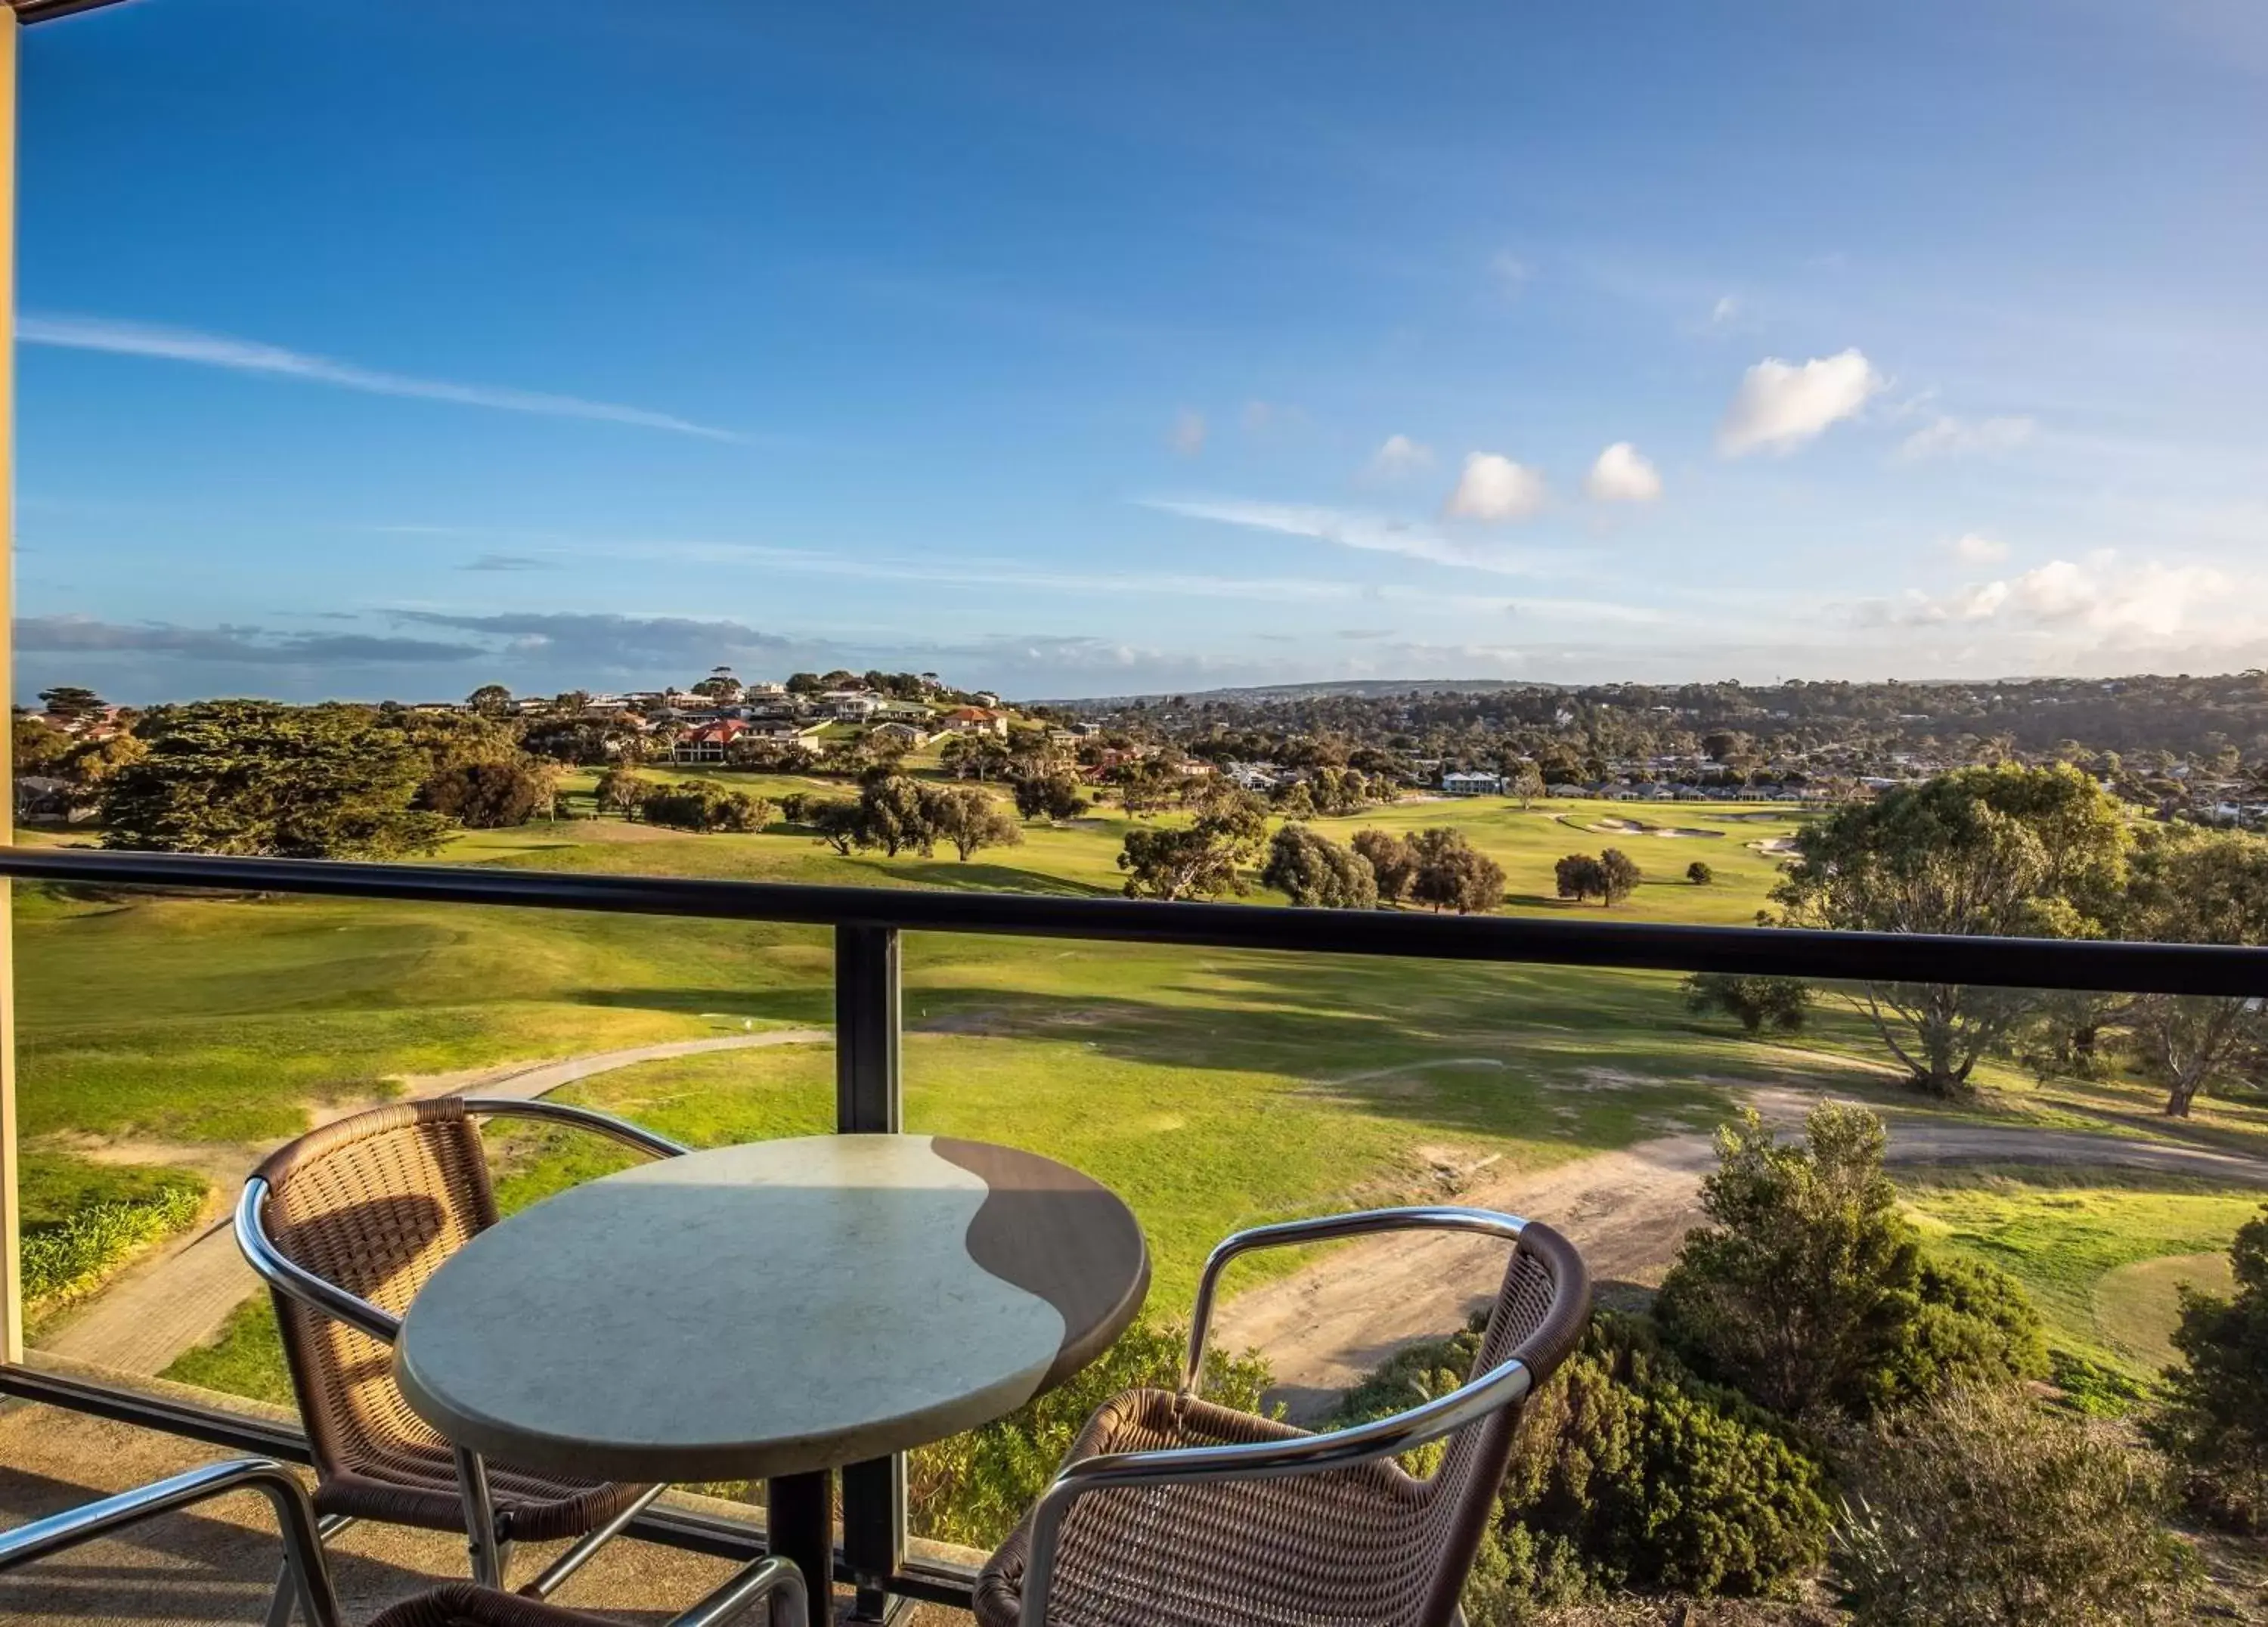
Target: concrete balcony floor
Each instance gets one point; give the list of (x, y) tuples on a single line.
[(218, 1565)]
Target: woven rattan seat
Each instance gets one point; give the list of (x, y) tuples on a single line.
[(1368, 1545), (374, 1203)]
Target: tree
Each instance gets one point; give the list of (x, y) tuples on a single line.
[(1050, 796), (703, 804), (1983, 1509), (1199, 860), (1699, 874), (490, 700), (1525, 782), (805, 683), (1809, 1290), (970, 819), (1453, 874), (1579, 876), (1295, 801), (2215, 1421), (2036, 853), (94, 763), (1618, 877), (838, 822), (1755, 1003), (258, 778), (489, 796), (1317, 871), (893, 814), (624, 791), (39, 748), (70, 704), (1391, 861), (2197, 887)]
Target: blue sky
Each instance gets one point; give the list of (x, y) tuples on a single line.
[(385, 351)]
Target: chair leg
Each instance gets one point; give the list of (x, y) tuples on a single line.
[(287, 1595), (488, 1551)]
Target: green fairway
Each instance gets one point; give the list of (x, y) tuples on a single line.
[(2100, 1252)]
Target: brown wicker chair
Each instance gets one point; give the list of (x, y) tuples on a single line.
[(345, 1225), (1173, 1512), (775, 1581)]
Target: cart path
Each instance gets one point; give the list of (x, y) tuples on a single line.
[(178, 1298), (1328, 1325)]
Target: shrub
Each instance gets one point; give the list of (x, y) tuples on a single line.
[(1391, 861), (1317, 871), (973, 1488), (1699, 874), (67, 1261), (1755, 1003), (1982, 1509), (1629, 1472), (1811, 1290), (489, 796), (2216, 1418), (696, 804), (1618, 876)]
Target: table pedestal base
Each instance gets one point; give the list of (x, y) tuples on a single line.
[(800, 1525)]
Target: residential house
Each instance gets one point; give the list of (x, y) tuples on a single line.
[(709, 742), (976, 720), (1460, 783), (904, 734)]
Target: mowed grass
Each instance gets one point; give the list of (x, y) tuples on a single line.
[(2103, 1253)]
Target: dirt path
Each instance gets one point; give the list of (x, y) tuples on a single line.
[(179, 1298), (1328, 1325)]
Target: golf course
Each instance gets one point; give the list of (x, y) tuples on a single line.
[(165, 1041)]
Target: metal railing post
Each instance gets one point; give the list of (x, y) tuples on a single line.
[(869, 1100), (12, 1278)]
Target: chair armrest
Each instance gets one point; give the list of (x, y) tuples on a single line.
[(1502, 1386), (1324, 1229), (751, 1584), (295, 1518), (289, 1277), (580, 1118)]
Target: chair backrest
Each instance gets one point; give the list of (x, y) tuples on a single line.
[(374, 1203), (1541, 1311)]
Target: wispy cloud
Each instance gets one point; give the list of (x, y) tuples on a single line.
[(1947, 437), (508, 562), (1371, 533), (85, 636), (251, 356)]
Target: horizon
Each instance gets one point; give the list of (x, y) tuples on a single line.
[(373, 355)]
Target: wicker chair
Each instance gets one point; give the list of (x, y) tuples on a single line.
[(345, 1225), (1173, 1512), (775, 1581)]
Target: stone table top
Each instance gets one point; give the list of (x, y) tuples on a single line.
[(771, 1309)]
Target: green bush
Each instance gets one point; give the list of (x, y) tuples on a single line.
[(697, 805), (2215, 1421), (973, 1488), (67, 1260), (1982, 1509), (1629, 1472), (1755, 1003), (1811, 1292)]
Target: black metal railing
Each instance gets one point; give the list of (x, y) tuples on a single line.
[(866, 924)]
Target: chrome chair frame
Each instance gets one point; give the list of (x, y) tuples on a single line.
[(1502, 1386), (769, 1578), (488, 1546)]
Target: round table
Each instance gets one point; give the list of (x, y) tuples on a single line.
[(773, 1311)]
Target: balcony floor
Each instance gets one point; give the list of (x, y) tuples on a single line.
[(218, 1564)]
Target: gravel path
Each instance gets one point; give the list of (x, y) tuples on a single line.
[(180, 1297), (1328, 1325)]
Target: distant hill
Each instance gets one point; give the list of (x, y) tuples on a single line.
[(1356, 688)]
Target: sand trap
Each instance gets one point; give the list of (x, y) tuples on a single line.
[(1687, 830), (1775, 844)]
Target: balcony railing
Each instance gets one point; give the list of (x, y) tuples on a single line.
[(867, 922)]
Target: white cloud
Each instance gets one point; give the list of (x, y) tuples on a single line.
[(1398, 455), (1495, 488), (1623, 475), (1956, 437), (1510, 271), (178, 344), (1779, 405), (1371, 533), (1976, 548), (2098, 601), (1187, 435), (1725, 310)]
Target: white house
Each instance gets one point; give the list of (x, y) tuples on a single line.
[(1474, 785)]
